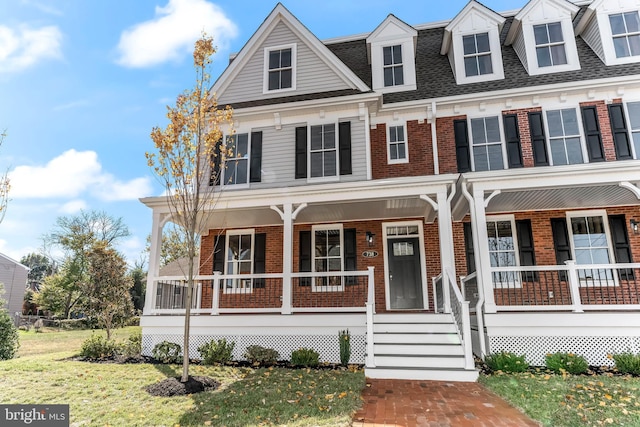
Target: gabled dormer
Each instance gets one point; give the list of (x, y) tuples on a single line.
[(391, 49), (612, 29), (542, 36), (472, 43)]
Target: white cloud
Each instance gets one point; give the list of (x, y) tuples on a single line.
[(74, 206), (73, 173), (73, 104), (22, 47), (170, 35)]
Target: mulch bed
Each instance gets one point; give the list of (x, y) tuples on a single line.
[(174, 387)]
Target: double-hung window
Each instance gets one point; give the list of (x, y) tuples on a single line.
[(392, 65), (236, 164), (625, 29), (486, 144), (633, 108), (589, 236), (477, 54), (397, 145), (280, 72), (502, 249), (564, 137), (328, 256), (323, 154), (239, 260), (550, 46)]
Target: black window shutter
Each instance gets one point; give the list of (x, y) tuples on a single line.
[(344, 142), (461, 135), (592, 134), (305, 256), (619, 130), (350, 254), (255, 172), (259, 258), (214, 179), (526, 249), (219, 247), (621, 246), (468, 248), (538, 141), (301, 152), (512, 139), (561, 243)]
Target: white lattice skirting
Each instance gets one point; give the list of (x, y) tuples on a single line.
[(326, 345)]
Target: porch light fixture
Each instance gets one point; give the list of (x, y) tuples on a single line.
[(635, 226), (370, 237)]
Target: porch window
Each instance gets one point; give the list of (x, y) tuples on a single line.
[(239, 260), (397, 145), (236, 162), (486, 142), (502, 250), (590, 239), (625, 29), (564, 137), (328, 256)]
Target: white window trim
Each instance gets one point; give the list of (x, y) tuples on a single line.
[(314, 228), (571, 50), (408, 65), (496, 58), (335, 177), (393, 65), (223, 168), (627, 117), (505, 164), (606, 34), (517, 283), (583, 148), (265, 78), (405, 142), (234, 289), (605, 222)]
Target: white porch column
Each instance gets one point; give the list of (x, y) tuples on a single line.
[(287, 256), (447, 257), (154, 261), (482, 250)]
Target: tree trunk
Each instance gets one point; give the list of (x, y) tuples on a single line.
[(187, 322)]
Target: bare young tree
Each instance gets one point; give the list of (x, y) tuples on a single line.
[(5, 186), (189, 155)]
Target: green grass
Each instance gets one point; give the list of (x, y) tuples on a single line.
[(567, 401), (112, 394)]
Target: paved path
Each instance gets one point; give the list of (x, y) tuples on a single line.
[(435, 404)]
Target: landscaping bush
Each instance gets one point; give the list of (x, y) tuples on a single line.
[(566, 362), (216, 351), (261, 355), (506, 362), (167, 352), (345, 347), (305, 357), (98, 347), (132, 347), (627, 363), (9, 342)]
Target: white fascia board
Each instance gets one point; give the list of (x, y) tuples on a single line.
[(13, 261)]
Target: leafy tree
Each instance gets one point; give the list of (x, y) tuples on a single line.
[(5, 186), (185, 162), (61, 293), (107, 291), (174, 245), (138, 277), (40, 266), (9, 342)]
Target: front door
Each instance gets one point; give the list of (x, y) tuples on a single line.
[(405, 278)]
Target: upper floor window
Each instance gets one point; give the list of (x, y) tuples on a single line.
[(564, 137), (477, 54), (397, 148), (392, 64), (634, 121), (486, 142), (236, 165), (323, 153), (550, 46), (280, 68), (625, 29)]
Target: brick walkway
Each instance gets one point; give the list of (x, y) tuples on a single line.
[(435, 404)]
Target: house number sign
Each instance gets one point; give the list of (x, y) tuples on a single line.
[(369, 254)]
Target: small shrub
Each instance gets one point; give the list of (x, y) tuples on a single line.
[(345, 347), (305, 357), (260, 355), (132, 347), (98, 347), (506, 362), (566, 362), (627, 363), (9, 341), (216, 351), (167, 352)]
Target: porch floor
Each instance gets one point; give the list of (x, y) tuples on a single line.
[(435, 403)]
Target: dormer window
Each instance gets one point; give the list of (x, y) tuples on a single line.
[(625, 29), (477, 54), (280, 64), (550, 49), (393, 71)]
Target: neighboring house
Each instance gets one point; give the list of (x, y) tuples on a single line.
[(431, 188), (13, 276)]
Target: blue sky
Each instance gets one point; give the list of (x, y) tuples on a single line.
[(83, 82)]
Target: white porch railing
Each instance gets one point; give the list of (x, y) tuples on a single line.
[(569, 287), (347, 291)]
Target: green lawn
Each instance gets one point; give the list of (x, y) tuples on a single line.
[(567, 401), (112, 394)]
